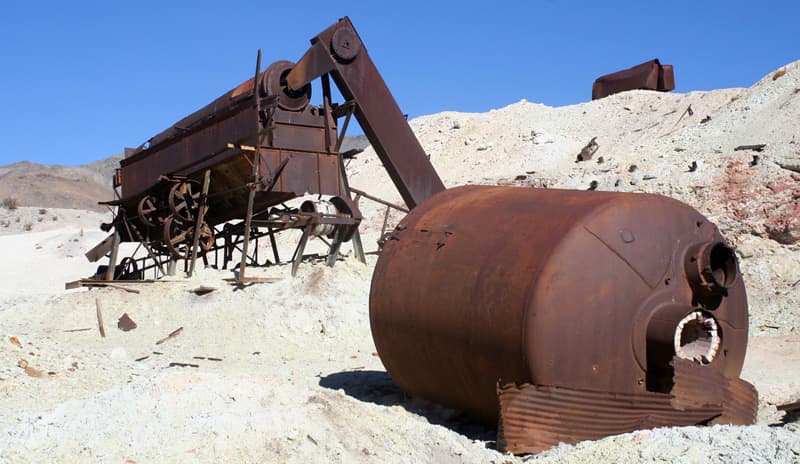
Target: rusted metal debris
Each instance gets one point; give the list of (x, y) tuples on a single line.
[(588, 150), (758, 147), (125, 323), (182, 364), (171, 335), (587, 296), (203, 290), (651, 75), (790, 167), (252, 149)]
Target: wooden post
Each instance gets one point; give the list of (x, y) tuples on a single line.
[(112, 260), (256, 161), (200, 216)]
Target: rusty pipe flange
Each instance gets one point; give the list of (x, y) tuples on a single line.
[(345, 44), (711, 267), (274, 83)]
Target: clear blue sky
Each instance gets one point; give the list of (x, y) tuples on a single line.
[(81, 80)]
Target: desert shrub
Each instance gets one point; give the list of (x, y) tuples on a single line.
[(42, 211), (28, 227), (39, 219), (5, 223), (10, 203), (55, 218)]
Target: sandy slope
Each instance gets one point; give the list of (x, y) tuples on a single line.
[(287, 372)]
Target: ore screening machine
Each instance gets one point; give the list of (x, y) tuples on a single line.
[(558, 315), (254, 148)]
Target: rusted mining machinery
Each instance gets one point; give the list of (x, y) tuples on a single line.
[(559, 315), (254, 148)]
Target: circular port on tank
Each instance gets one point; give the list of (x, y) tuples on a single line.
[(711, 267), (722, 262), (697, 338)]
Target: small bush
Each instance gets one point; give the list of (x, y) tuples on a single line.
[(42, 211), (5, 223), (55, 218), (10, 203), (39, 219), (28, 227)]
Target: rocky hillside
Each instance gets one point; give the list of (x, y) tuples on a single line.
[(75, 187)]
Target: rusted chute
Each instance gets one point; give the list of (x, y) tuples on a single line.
[(577, 302), (650, 75)]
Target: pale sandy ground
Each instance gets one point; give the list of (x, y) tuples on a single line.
[(298, 379)]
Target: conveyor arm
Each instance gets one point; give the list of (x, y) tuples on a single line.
[(339, 51)]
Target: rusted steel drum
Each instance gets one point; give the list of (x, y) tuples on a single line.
[(480, 286)]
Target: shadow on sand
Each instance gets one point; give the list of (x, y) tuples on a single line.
[(378, 388)]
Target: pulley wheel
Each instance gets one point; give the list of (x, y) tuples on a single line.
[(177, 237), (275, 82), (147, 210), (127, 269), (183, 199), (345, 44)]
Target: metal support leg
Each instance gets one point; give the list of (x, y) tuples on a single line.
[(274, 245), (333, 251), (298, 253)]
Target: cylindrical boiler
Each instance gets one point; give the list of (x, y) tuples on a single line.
[(587, 290)]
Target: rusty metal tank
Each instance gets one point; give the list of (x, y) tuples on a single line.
[(480, 286)]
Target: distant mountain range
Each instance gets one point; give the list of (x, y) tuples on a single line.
[(78, 187)]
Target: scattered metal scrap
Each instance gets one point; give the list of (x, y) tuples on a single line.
[(758, 147), (125, 323), (790, 167), (588, 150), (171, 335), (651, 75), (202, 290), (182, 364)]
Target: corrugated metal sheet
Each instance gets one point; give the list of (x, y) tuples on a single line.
[(697, 385), (534, 418), (740, 406)]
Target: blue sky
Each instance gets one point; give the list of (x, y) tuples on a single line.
[(81, 80)]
